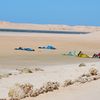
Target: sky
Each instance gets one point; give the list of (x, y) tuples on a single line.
[(68, 12)]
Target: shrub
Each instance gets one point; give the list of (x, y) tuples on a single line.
[(93, 71)]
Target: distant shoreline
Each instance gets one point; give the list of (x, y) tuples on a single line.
[(42, 31)]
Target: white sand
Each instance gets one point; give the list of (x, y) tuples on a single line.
[(56, 66), (53, 73)]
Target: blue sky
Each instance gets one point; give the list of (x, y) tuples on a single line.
[(69, 12)]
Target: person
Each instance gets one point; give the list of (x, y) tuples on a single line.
[(20, 48), (80, 53), (94, 56)]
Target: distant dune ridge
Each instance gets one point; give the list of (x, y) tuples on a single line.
[(49, 27)]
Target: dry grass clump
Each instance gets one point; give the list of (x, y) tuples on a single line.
[(25, 70), (28, 70), (92, 75), (20, 91), (95, 77), (49, 86), (84, 79), (38, 69), (5, 75), (16, 92), (34, 93), (93, 71), (26, 90), (68, 82), (85, 75), (82, 65)]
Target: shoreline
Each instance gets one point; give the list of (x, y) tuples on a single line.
[(41, 31)]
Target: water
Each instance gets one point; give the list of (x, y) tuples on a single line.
[(42, 31)]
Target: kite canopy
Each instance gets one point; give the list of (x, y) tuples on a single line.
[(47, 47), (83, 56), (71, 53)]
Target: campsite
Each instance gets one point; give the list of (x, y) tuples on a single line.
[(70, 53)]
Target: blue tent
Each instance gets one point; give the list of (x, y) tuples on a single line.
[(26, 49), (29, 49), (47, 47), (50, 47)]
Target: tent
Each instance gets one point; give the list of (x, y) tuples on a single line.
[(50, 47), (83, 56), (20, 48), (71, 53), (29, 49), (26, 49), (96, 55), (47, 47)]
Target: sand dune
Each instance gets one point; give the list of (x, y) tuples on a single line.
[(48, 27)]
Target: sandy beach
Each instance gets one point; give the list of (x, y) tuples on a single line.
[(52, 64)]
